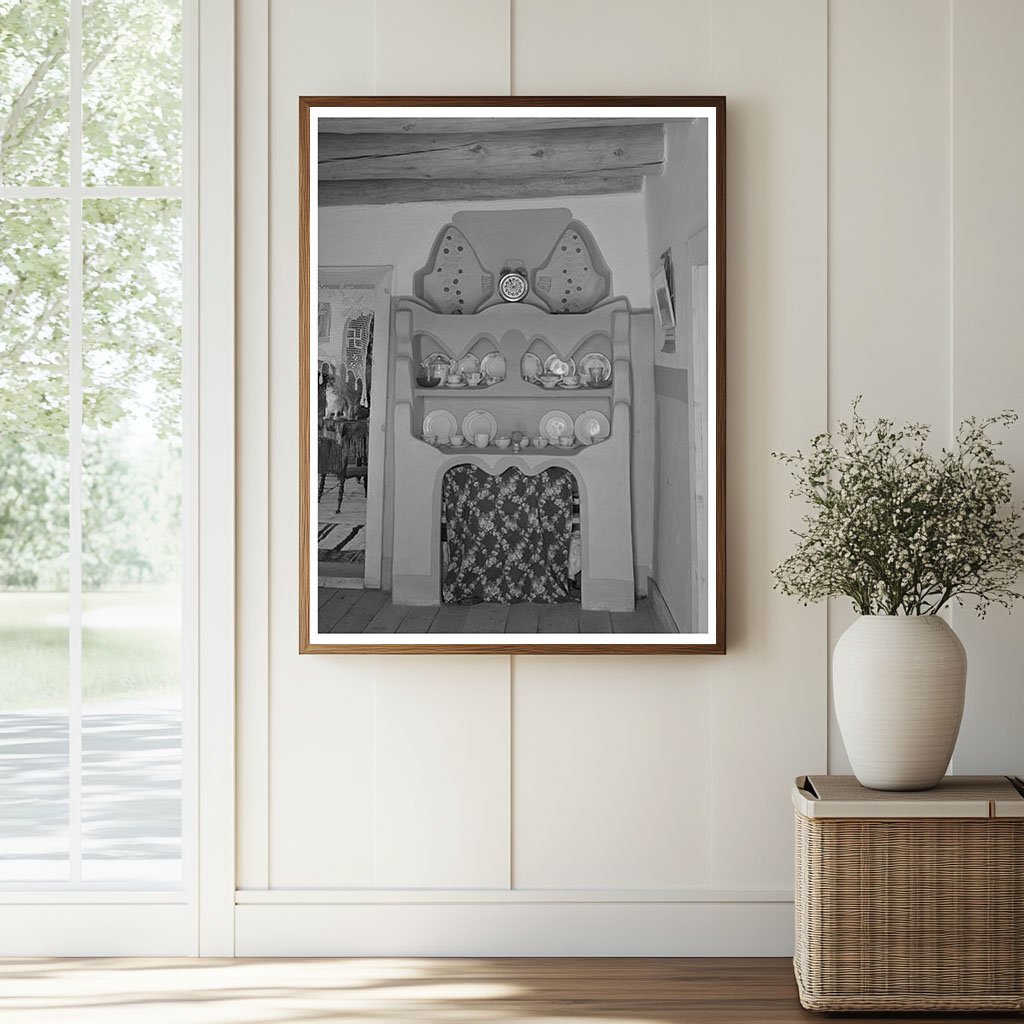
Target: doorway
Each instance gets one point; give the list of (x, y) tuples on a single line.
[(353, 328)]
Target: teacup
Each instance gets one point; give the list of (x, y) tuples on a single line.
[(454, 378), (503, 442), (474, 378), (565, 442), (481, 439), (539, 442), (443, 439), (525, 443), (572, 379), (458, 439), (430, 438)]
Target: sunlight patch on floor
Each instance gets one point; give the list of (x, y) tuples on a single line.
[(130, 991)]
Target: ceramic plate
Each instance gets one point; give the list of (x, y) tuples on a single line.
[(531, 366), (556, 364), (493, 365), (591, 427), (469, 364), (556, 424), (440, 423), (595, 361), (477, 421)]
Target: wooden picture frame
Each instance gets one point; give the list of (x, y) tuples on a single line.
[(525, 190)]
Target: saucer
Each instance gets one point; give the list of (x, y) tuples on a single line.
[(568, 387), (461, 384)]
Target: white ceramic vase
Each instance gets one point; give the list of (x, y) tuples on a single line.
[(898, 684)]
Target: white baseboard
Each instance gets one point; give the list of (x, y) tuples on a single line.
[(520, 928), (99, 928)]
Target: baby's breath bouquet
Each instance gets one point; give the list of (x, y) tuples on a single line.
[(900, 530)]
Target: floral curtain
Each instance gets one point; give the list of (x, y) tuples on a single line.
[(508, 535)]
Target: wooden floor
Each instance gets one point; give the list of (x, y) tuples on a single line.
[(371, 611), (414, 991)]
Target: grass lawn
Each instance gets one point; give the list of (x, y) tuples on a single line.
[(130, 647)]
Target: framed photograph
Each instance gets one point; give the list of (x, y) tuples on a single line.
[(663, 301), (497, 452)]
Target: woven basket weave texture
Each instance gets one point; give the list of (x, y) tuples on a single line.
[(910, 913)]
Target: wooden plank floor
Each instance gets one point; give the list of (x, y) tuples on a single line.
[(371, 611), (415, 991)]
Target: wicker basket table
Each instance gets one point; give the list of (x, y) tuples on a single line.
[(910, 901)]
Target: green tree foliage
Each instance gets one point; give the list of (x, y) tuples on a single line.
[(33, 92), (131, 92), (131, 279)]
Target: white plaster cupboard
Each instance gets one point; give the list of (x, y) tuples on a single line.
[(616, 805)]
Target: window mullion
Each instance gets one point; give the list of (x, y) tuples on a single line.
[(75, 303)]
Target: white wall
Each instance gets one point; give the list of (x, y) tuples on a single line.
[(676, 210), (403, 235), (615, 804)]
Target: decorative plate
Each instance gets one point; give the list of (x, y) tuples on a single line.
[(478, 421), (556, 364), (595, 361), (512, 287), (440, 423), (493, 365), (556, 424), (469, 364), (531, 367), (591, 426)]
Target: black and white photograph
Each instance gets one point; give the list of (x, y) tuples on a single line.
[(511, 350)]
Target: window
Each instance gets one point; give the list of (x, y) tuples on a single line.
[(95, 463)]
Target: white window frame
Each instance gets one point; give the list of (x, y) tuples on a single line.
[(76, 918)]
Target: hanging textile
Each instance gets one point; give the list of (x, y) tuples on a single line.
[(508, 536)]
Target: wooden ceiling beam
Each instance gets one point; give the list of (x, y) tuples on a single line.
[(638, 149), (409, 190), (470, 125)]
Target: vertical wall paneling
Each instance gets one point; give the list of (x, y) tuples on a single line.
[(442, 793), (872, 248), (252, 461), (769, 692), (988, 332), (321, 708), (442, 48), (576, 47), (611, 775), (335, 801), (442, 769), (323, 764), (889, 249), (593, 786)]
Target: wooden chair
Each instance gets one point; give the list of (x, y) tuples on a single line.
[(342, 451)]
